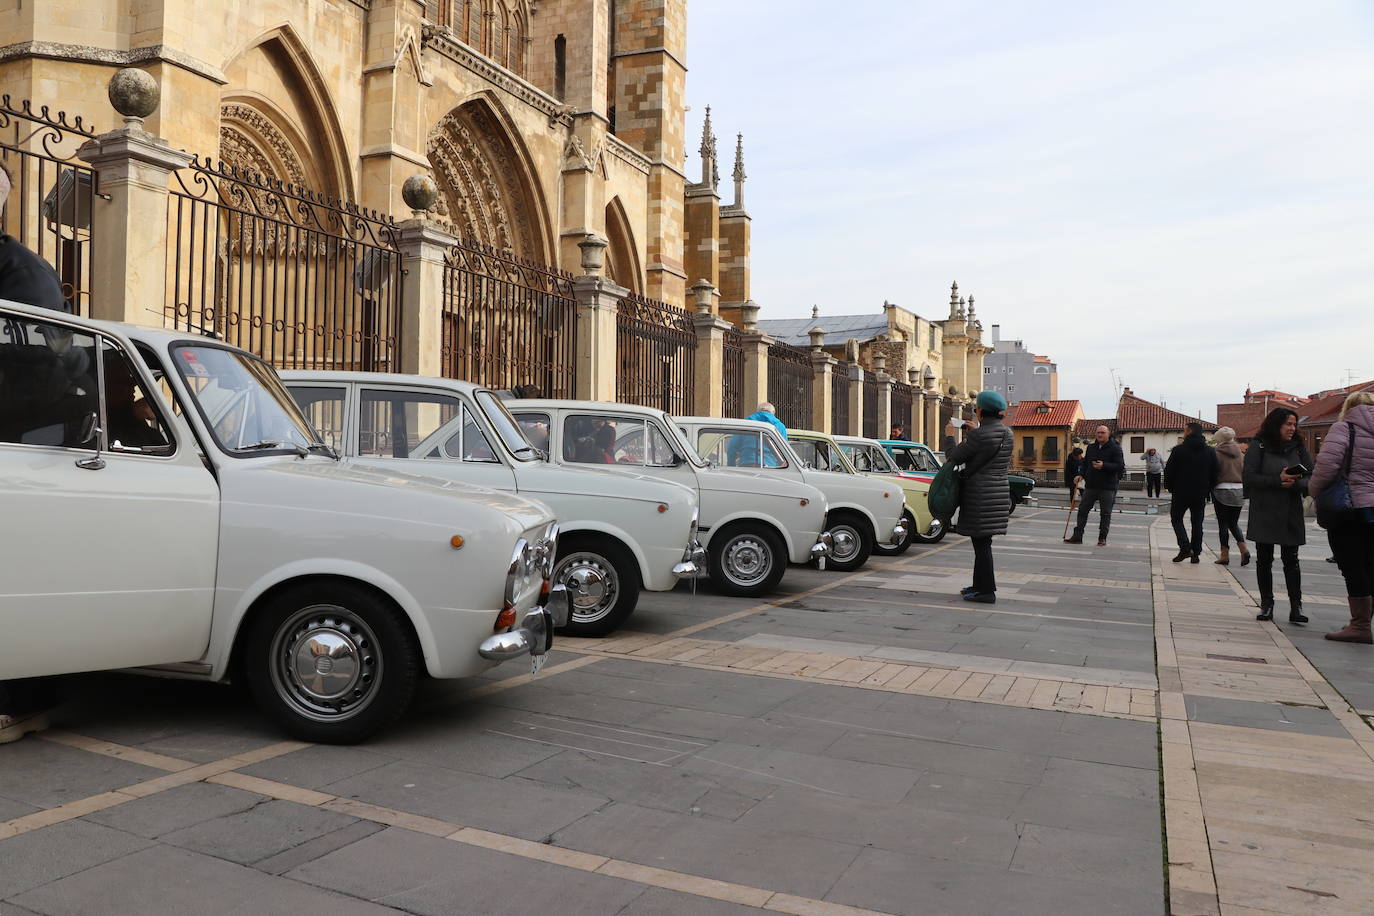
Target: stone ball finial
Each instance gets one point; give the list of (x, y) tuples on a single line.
[(421, 193), (134, 94)]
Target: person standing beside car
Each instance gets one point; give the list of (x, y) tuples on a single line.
[(1352, 543), (1228, 496), (1154, 472), (985, 498), (1276, 471), (1190, 474), (1103, 464)]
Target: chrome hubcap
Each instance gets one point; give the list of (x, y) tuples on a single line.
[(326, 663), (592, 585), (936, 526), (747, 560), (846, 543)]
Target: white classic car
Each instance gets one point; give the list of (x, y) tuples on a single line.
[(168, 506), (752, 524), (862, 512), (617, 533)]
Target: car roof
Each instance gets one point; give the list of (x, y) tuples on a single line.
[(861, 439), (724, 421), (140, 332), (519, 404), (390, 378)]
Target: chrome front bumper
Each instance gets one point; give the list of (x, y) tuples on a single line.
[(898, 534), (823, 547), (693, 562), (534, 635)]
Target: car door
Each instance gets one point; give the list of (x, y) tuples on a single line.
[(436, 431), (111, 518)]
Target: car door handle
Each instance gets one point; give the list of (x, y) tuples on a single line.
[(95, 463)]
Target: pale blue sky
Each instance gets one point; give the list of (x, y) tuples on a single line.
[(1183, 191)]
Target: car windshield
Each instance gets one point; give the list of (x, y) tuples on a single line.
[(506, 427), (682, 446), (244, 403), (882, 462)]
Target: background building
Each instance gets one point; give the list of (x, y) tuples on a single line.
[(1042, 433), (1017, 373), (1246, 416)]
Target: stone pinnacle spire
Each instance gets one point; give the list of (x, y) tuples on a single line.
[(738, 173), (960, 313), (954, 300), (972, 316), (710, 171)]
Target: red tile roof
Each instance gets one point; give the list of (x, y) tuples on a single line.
[(1323, 410), (1060, 414), (1087, 429), (1133, 413)]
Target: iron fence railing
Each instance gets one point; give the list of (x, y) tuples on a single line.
[(301, 279), (508, 321), (839, 399), (732, 382), (655, 354), (789, 384), (901, 410), (49, 206), (872, 392)]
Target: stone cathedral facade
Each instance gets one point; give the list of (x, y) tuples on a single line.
[(540, 120)]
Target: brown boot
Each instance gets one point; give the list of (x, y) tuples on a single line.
[(1225, 559), (1357, 630), (1244, 553)]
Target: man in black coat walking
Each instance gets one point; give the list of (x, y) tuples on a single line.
[(1103, 463), (1190, 474)]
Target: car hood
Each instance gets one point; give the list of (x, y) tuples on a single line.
[(543, 477), (753, 482)]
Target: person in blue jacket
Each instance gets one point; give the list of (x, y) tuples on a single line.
[(744, 450)]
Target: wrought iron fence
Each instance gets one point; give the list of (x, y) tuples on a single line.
[(839, 399), (789, 384), (301, 279), (508, 321), (901, 410), (732, 399), (872, 392), (49, 206), (655, 354)]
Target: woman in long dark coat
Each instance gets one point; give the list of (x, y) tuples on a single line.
[(1276, 507), (985, 497)]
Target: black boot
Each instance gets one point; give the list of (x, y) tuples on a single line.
[(1292, 580), (1264, 579), (1183, 554), (1295, 614), (1266, 610)]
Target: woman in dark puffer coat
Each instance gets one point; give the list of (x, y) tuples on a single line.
[(985, 497), (1276, 507)]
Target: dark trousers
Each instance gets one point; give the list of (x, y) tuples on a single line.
[(1353, 548), (1292, 573), (984, 578), (1228, 521), (1105, 500), (1197, 510), (1152, 484)]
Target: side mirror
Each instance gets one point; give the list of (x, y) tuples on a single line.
[(90, 429)]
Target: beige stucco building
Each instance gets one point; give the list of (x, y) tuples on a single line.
[(541, 120)]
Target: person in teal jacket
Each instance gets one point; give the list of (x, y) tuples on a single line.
[(744, 450)]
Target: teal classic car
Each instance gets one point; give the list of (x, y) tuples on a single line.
[(917, 460)]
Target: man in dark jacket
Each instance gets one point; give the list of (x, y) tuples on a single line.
[(24, 276), (1190, 474), (1103, 463)]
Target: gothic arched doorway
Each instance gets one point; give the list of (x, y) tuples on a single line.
[(622, 262)]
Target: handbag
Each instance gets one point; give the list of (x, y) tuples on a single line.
[(1335, 508), (946, 490)]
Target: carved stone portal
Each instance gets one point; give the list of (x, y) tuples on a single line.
[(249, 139)]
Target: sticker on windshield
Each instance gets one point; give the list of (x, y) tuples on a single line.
[(193, 364)]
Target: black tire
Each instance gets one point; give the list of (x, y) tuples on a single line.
[(746, 560), (896, 550), (853, 541), (940, 529), (608, 575), (351, 699)]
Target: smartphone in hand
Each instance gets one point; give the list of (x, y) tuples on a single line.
[(1296, 470)]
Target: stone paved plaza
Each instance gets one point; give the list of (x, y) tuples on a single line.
[(862, 743)]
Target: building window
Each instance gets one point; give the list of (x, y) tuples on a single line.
[(1028, 448), (932, 337), (1137, 445), (1011, 370), (1011, 389), (1042, 370), (987, 370), (560, 67), (1051, 448)]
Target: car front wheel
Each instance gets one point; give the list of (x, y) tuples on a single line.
[(933, 535), (851, 542), (747, 560), (602, 581), (332, 664), (896, 550)]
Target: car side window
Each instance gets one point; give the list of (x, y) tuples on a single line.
[(470, 443), (733, 448), (859, 457), (324, 407), (536, 428), (773, 455), (602, 439), (133, 420), (48, 384), (392, 423), (903, 458), (816, 454)]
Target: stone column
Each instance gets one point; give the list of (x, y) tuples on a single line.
[(755, 370), (708, 391), (422, 245), (822, 364), (933, 436), (129, 218), (884, 404), (598, 301), (856, 401)]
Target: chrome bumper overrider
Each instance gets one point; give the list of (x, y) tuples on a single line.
[(823, 546), (898, 533), (534, 636), (693, 562)]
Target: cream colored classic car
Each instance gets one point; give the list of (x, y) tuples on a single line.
[(752, 524), (618, 533), (869, 457), (862, 512), (167, 505)]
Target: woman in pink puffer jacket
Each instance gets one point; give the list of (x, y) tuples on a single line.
[(1353, 544)]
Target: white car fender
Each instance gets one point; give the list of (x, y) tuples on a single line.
[(600, 526), (862, 510), (756, 517)]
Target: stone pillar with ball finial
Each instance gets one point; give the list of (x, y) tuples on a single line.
[(598, 303), (424, 246), (708, 384), (822, 367), (129, 216)]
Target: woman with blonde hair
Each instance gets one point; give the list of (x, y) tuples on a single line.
[(1228, 496), (1348, 453)]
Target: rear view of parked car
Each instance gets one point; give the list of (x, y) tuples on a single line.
[(181, 514)]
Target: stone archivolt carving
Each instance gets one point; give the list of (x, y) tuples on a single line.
[(483, 196), (248, 139)]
